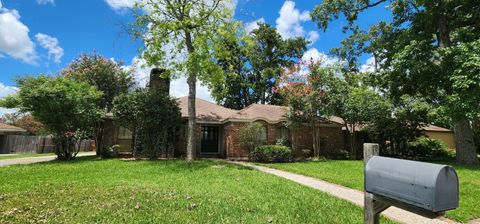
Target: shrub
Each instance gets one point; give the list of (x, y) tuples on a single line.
[(307, 153), (272, 154), (284, 142), (428, 149), (251, 135), (338, 154)]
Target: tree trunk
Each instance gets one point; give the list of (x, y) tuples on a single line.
[(466, 150), (353, 140), (316, 140), (464, 142), (192, 81)]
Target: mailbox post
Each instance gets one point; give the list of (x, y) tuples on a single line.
[(371, 207), (423, 188)]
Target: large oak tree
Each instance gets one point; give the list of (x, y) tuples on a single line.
[(430, 49)]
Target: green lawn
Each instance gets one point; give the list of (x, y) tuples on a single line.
[(350, 174), (24, 155), (114, 191)]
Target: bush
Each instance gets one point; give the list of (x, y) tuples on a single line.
[(307, 153), (272, 154), (428, 149), (251, 135), (284, 142), (338, 154)]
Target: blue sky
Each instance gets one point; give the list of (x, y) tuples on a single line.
[(43, 36)]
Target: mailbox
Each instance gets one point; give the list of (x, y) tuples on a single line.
[(427, 186)]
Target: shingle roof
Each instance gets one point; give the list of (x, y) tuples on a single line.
[(206, 111), (10, 128), (269, 113), (211, 112), (432, 127)]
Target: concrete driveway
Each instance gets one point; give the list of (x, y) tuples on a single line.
[(28, 160)]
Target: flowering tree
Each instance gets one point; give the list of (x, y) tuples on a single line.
[(316, 91), (107, 76), (310, 91)]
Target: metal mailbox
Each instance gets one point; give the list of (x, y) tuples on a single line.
[(428, 186)]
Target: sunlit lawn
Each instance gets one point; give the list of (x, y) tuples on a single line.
[(350, 174), (16, 156), (115, 191)]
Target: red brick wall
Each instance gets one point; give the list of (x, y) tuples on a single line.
[(233, 147)]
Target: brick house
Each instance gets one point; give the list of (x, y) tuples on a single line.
[(218, 128)]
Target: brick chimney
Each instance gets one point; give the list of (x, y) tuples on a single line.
[(158, 82)]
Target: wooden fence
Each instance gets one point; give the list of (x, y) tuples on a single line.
[(19, 144)]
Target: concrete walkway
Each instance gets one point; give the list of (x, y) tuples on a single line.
[(351, 195), (28, 160)]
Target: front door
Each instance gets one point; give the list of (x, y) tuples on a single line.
[(209, 139)]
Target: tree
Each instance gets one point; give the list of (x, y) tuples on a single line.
[(68, 109), (312, 96), (32, 125), (153, 116), (107, 76), (236, 93), (363, 107), (253, 63), (181, 35), (268, 55), (430, 49)]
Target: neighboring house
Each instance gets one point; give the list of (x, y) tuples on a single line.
[(6, 130), (447, 136)]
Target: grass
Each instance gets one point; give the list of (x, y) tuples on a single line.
[(113, 191), (350, 174), (16, 156)]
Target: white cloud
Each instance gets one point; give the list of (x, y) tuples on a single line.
[(44, 2), (5, 91), (313, 55), (51, 45), (312, 37), (120, 5), (289, 21), (249, 27), (178, 87), (4, 111), (14, 39)]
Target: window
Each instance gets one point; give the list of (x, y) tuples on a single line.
[(263, 136), (124, 133), (282, 133)]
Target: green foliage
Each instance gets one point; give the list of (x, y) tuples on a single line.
[(154, 117), (183, 37), (253, 63), (192, 28), (284, 142), (272, 154), (429, 50), (251, 135), (429, 149), (106, 75), (68, 109), (408, 116)]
